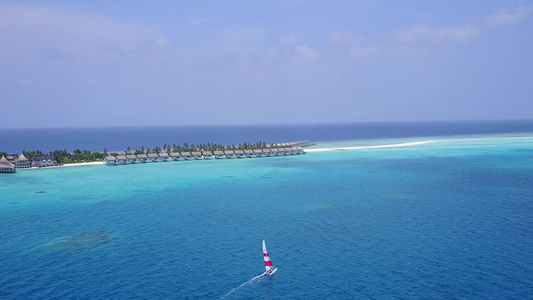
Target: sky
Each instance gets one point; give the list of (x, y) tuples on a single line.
[(152, 63)]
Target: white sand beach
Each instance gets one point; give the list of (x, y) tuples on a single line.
[(84, 164)]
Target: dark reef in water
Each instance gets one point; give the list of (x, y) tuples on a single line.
[(81, 240)]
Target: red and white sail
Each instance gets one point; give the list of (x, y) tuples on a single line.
[(268, 263)]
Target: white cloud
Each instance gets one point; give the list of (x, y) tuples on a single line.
[(302, 56), (230, 34), (162, 47), (198, 21), (509, 15), (357, 48), (455, 33), (288, 40), (162, 43), (426, 32), (406, 51), (344, 38), (306, 52), (27, 30), (242, 33), (360, 51), (406, 42)]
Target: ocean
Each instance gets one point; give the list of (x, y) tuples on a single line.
[(448, 219), (120, 138)]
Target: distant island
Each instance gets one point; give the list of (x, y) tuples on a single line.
[(9, 162)]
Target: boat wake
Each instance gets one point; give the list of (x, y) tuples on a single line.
[(269, 270), (251, 281)]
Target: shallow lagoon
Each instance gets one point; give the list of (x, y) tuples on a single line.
[(441, 220)]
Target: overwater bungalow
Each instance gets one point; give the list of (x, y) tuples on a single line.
[(259, 153), (286, 151), (208, 155), (269, 152), (219, 154), (293, 144), (229, 154), (176, 156), (186, 156), (266, 152), (6, 166), (302, 143), (121, 159), (294, 150), (163, 156), (131, 159), (110, 160), (22, 162), (240, 154), (142, 158), (153, 157), (197, 155), (249, 153), (298, 150)]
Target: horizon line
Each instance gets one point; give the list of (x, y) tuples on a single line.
[(270, 124)]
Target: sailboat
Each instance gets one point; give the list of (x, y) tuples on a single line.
[(268, 264)]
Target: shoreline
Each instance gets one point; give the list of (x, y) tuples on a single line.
[(94, 163), (397, 145), (410, 144)]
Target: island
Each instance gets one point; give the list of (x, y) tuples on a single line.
[(10, 163)]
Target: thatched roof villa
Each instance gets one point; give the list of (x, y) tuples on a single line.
[(6, 166), (208, 155), (186, 155), (229, 154), (219, 154)]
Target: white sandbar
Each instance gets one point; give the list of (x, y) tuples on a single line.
[(418, 143), (372, 147)]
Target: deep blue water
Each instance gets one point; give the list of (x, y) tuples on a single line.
[(118, 139), (445, 220)]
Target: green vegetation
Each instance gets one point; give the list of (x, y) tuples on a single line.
[(79, 156), (199, 147), (62, 156), (212, 147)]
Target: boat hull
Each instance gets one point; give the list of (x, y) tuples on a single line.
[(271, 272)]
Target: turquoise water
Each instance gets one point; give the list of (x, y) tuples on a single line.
[(448, 220)]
